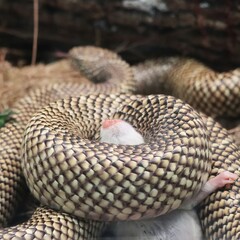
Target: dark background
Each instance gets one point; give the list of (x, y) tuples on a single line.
[(137, 29)]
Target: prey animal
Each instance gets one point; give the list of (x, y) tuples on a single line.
[(180, 224)]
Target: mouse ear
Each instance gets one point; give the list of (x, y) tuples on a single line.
[(110, 122)]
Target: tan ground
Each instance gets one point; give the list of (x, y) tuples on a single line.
[(16, 82)]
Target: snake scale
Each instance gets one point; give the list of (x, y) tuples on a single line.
[(55, 143)]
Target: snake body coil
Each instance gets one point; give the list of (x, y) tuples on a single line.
[(215, 94), (109, 182), (68, 169)]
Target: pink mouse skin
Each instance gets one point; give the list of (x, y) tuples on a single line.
[(116, 131)]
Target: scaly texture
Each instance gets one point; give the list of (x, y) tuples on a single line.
[(235, 133), (103, 66), (181, 147), (103, 181), (220, 212), (48, 224), (215, 94), (147, 185), (11, 135)]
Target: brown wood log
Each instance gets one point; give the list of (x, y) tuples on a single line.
[(138, 29)]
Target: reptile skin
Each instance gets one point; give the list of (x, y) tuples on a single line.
[(100, 181)]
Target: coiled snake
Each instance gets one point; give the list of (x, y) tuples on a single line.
[(67, 169)]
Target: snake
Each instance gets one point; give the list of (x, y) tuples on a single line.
[(53, 143), (214, 93), (235, 132)]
